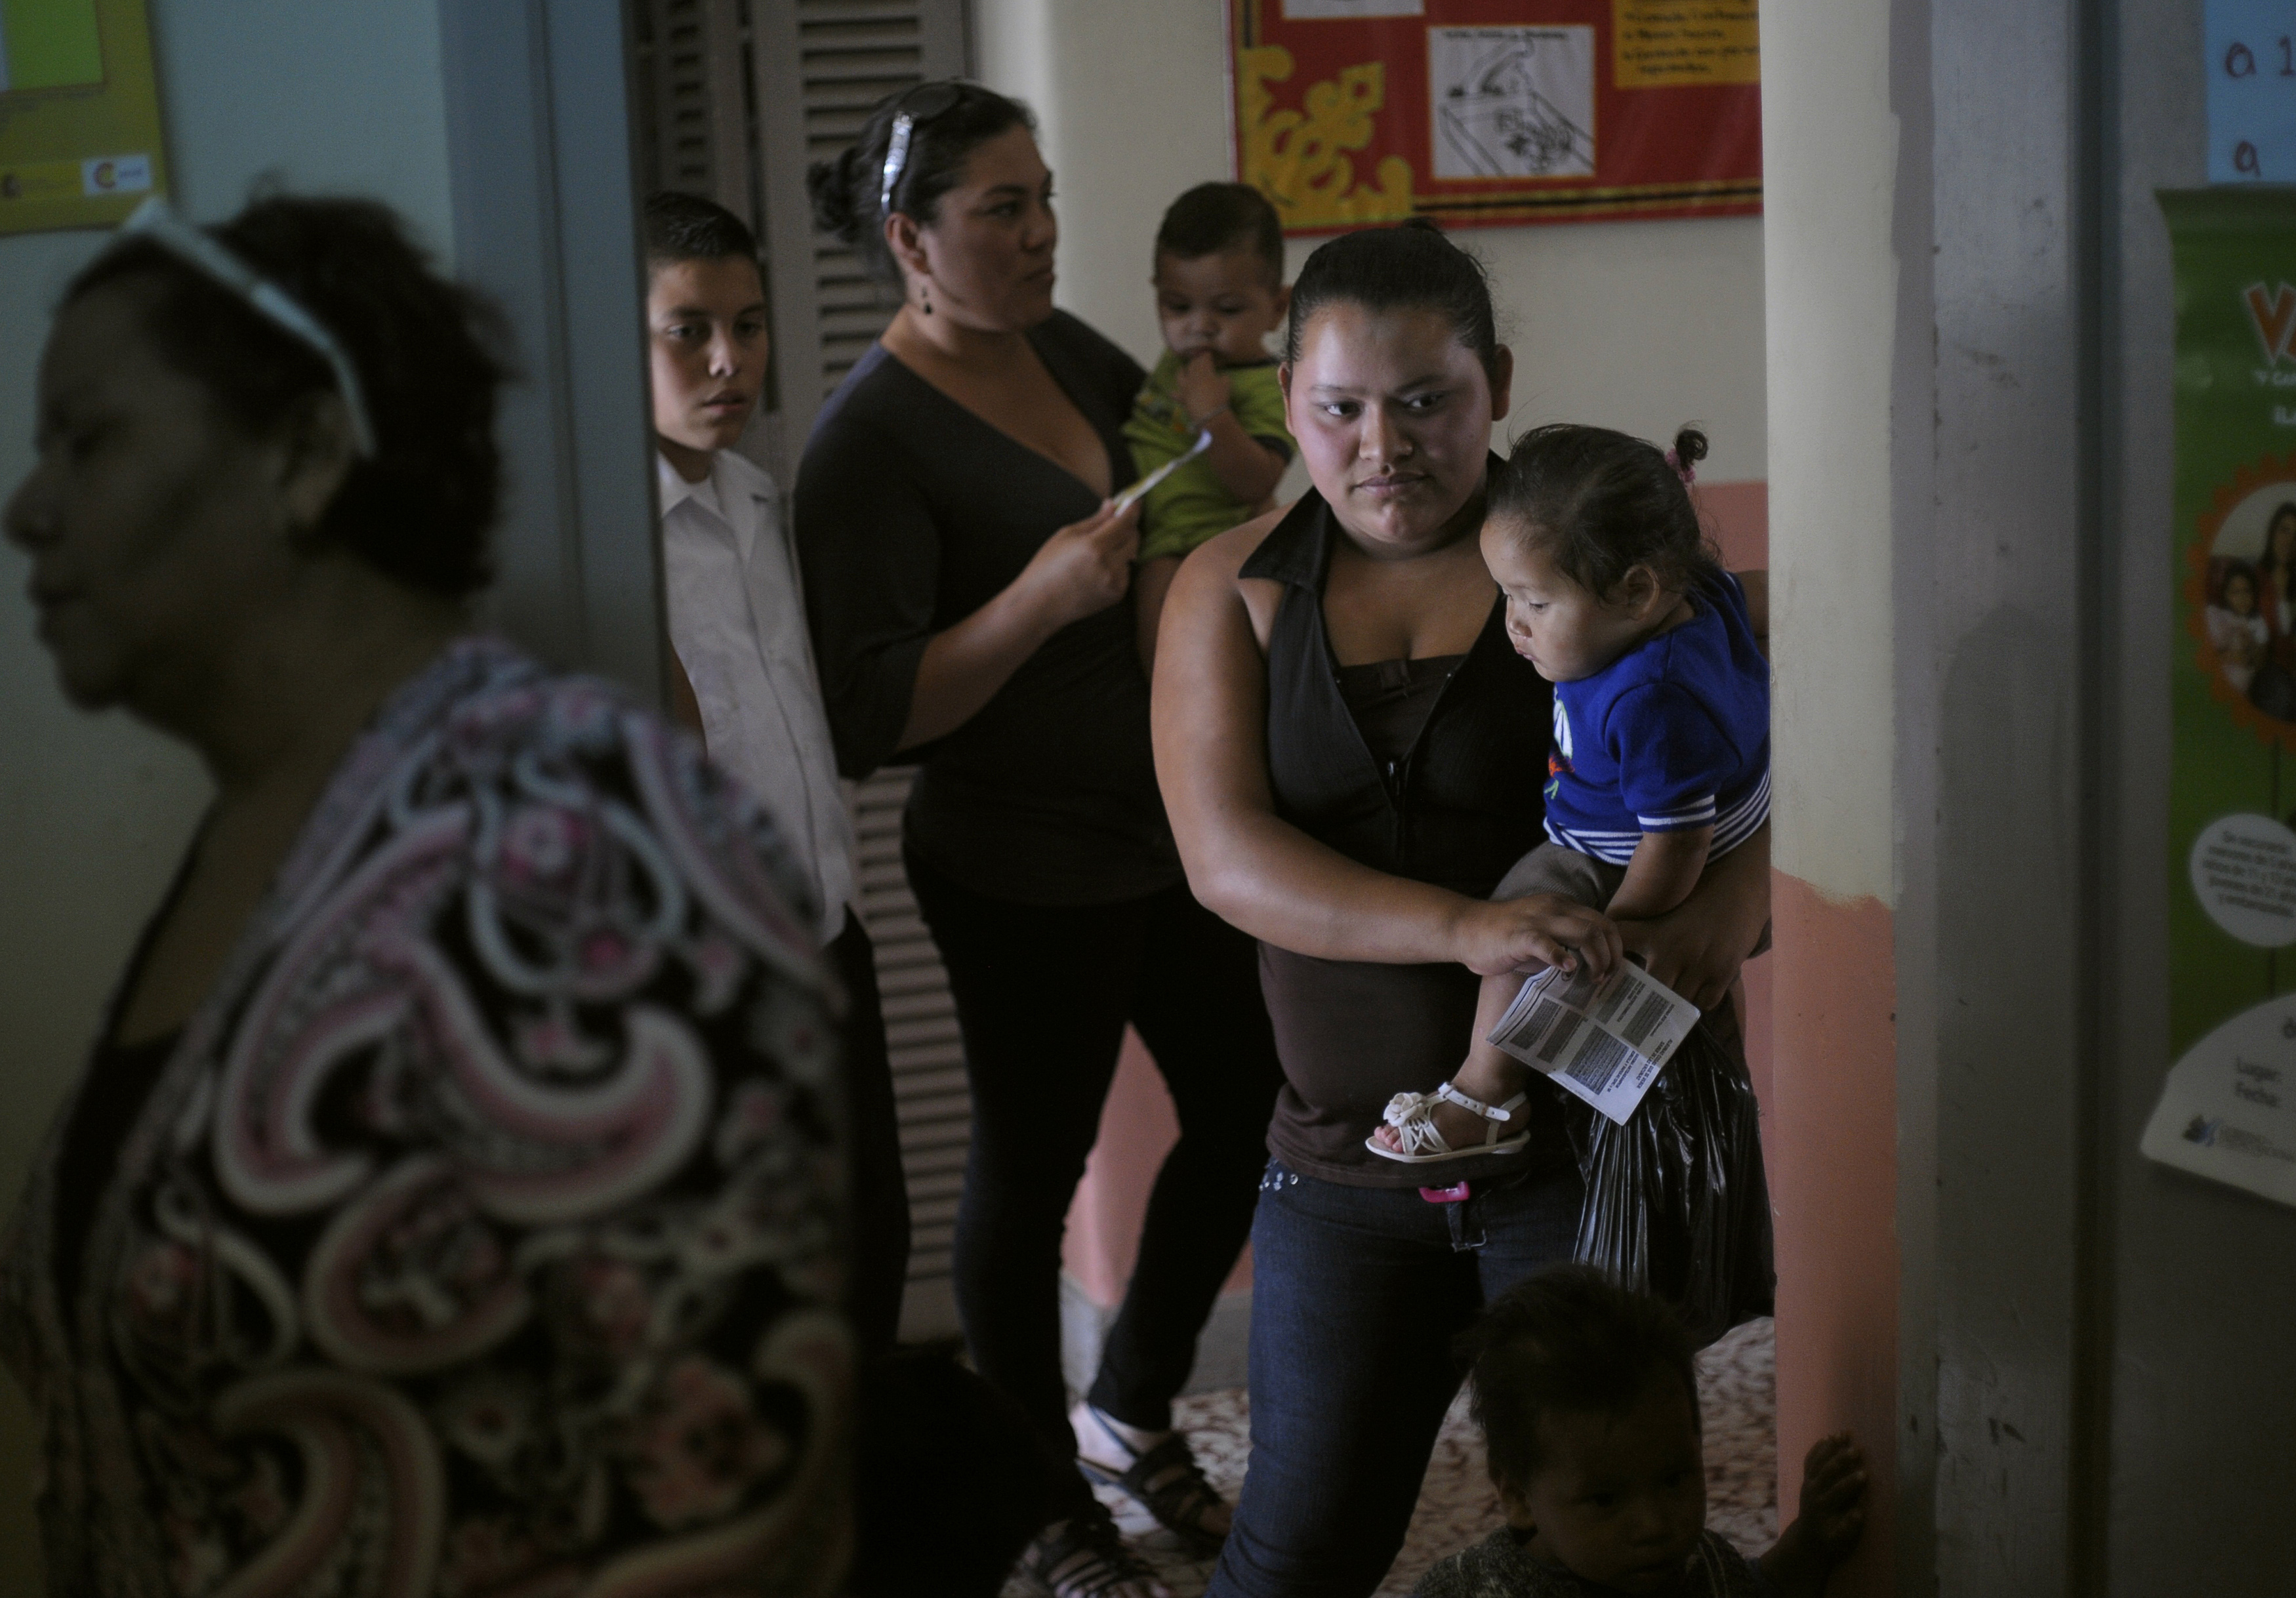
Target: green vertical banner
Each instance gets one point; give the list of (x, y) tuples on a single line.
[(2228, 1109)]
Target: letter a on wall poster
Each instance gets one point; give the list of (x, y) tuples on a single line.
[(2228, 1108), (79, 114), (1351, 113)]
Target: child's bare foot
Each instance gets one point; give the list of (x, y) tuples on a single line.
[(1833, 1518)]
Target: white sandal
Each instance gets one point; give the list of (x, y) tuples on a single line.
[(1412, 1117)]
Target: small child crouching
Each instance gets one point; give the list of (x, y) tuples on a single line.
[(1588, 1404)]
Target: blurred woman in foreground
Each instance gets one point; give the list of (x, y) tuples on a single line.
[(450, 1200)]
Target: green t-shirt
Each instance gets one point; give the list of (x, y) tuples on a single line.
[(1191, 506)]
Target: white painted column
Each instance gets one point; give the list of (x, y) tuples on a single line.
[(1831, 149)]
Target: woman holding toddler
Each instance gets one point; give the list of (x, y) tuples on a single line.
[(964, 569), (1353, 752)]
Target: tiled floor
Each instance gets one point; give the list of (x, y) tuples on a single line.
[(1736, 1378)]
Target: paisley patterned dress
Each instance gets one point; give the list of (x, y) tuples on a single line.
[(480, 1233)]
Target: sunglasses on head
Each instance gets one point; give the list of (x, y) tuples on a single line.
[(918, 106)]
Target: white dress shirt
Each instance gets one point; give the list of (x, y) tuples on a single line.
[(737, 622)]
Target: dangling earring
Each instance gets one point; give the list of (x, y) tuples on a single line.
[(924, 299)]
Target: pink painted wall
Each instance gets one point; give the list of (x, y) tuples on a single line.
[(1738, 517), (1137, 1125), (1830, 1133)]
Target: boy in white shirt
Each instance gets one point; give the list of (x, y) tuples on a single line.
[(746, 680)]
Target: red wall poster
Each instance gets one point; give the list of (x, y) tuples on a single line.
[(1497, 113)]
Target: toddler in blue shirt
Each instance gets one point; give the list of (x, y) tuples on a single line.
[(1661, 753)]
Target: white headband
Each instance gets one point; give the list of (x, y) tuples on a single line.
[(156, 220)]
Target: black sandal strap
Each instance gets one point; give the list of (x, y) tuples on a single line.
[(1169, 1481), (1085, 1558)]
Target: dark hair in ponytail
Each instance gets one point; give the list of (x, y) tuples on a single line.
[(845, 192), (1413, 267), (1604, 503)]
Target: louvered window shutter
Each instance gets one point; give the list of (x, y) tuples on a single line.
[(928, 1057), (738, 97), (821, 64), (696, 126)]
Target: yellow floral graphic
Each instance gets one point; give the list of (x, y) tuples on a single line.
[(1300, 160)]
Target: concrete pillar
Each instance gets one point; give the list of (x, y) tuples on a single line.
[(1830, 153)]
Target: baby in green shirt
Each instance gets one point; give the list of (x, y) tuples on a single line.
[(1219, 292)]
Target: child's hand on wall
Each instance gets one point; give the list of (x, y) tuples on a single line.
[(1833, 1496), (1832, 1519)]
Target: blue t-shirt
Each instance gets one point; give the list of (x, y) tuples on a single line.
[(1673, 735)]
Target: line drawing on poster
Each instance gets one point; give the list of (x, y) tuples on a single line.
[(1511, 101)]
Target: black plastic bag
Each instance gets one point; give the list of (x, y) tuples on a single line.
[(1677, 1203)]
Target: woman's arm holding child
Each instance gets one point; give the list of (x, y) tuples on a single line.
[(1263, 875), (1662, 873), (1697, 948)]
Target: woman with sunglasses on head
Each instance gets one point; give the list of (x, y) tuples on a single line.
[(963, 570), (450, 1203), (1354, 755)]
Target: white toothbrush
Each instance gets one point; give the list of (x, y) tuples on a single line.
[(1124, 501)]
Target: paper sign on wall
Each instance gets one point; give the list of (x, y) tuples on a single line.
[(1350, 113), (2228, 1108), (79, 114), (2250, 54)]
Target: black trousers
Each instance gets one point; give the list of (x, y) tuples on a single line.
[(1042, 998), (879, 1266)]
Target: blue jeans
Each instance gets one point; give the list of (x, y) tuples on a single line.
[(1357, 1295)]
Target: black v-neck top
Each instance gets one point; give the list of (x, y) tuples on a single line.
[(1430, 769), (1466, 798), (910, 513), (1392, 701)]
